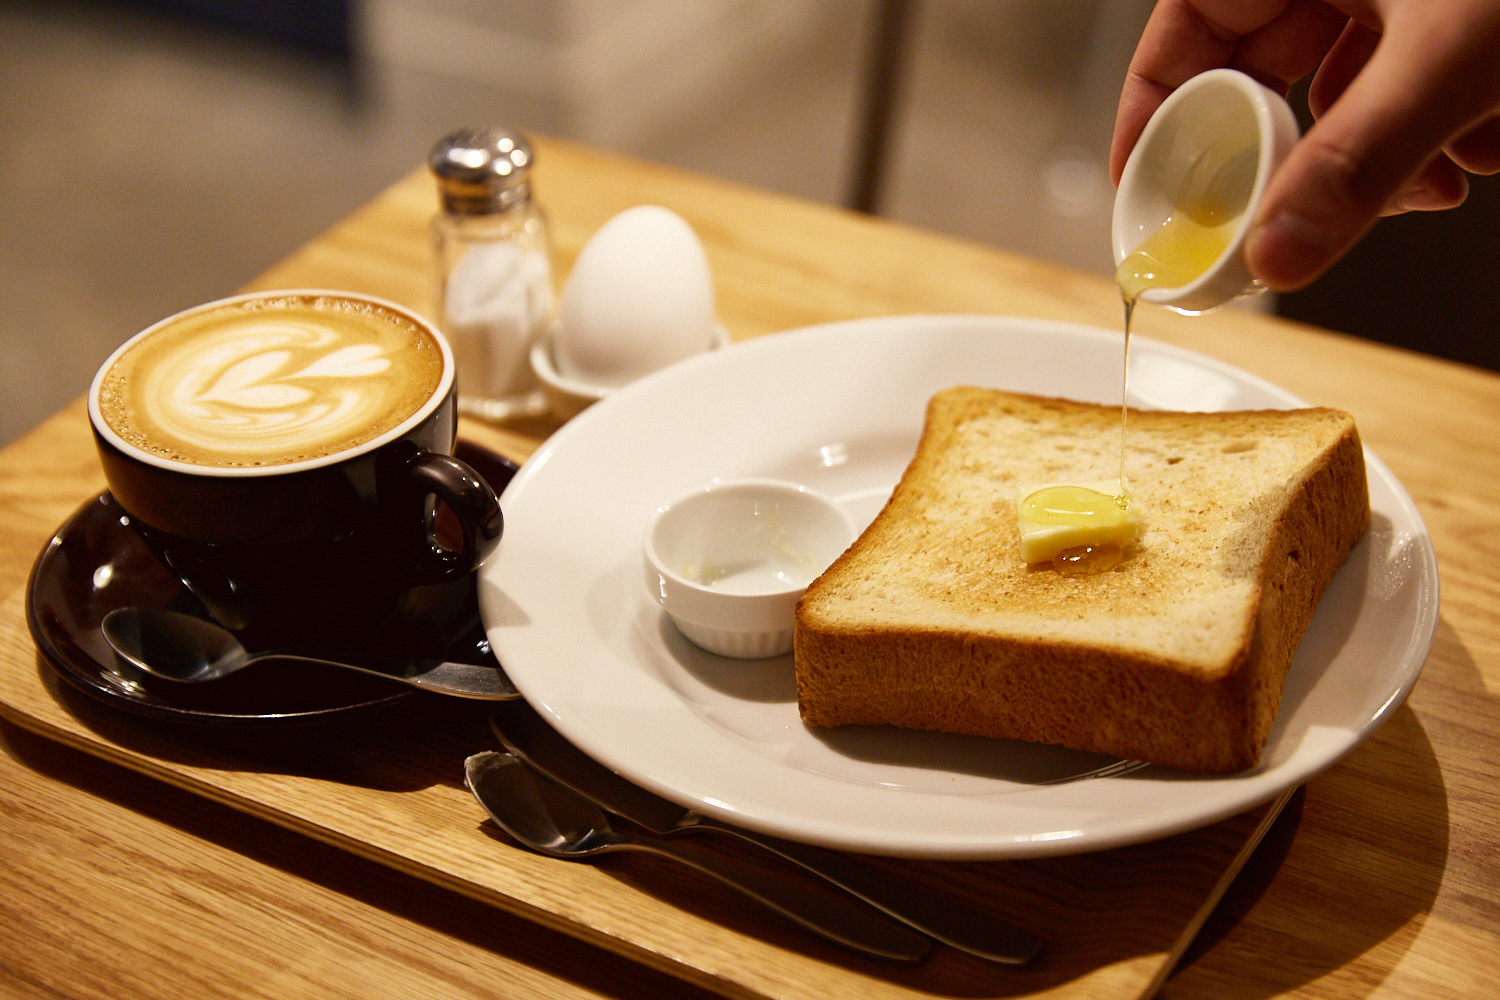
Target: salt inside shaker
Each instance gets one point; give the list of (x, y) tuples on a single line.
[(494, 277)]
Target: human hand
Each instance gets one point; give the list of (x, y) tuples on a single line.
[(1406, 96)]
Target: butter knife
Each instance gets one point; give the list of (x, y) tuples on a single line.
[(527, 736)]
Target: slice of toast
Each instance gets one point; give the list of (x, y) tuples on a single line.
[(1177, 656)]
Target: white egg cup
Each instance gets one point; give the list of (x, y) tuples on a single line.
[(729, 562), (1219, 109), (568, 397)]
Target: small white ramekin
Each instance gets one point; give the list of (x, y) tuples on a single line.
[(728, 563)]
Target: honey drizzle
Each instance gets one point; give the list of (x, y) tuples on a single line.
[(1125, 394)]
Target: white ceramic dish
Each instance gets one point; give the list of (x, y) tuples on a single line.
[(728, 562), (567, 397), (839, 408), (1209, 116)]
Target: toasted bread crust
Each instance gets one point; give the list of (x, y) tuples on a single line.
[(1177, 657)]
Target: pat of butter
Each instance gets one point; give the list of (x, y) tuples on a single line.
[(1043, 538)]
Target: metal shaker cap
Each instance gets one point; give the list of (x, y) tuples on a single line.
[(482, 170)]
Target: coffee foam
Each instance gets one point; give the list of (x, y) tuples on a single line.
[(269, 381)]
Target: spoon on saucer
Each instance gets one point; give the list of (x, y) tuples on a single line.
[(186, 649)]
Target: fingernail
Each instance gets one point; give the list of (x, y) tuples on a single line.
[(1287, 251)]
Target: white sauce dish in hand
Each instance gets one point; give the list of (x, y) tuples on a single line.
[(729, 562), (1207, 151)]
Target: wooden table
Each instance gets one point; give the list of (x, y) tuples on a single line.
[(1381, 878)]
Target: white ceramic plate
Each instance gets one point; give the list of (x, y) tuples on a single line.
[(840, 407)]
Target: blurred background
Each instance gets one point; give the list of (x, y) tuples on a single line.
[(155, 154)]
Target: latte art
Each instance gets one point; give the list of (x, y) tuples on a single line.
[(270, 381)]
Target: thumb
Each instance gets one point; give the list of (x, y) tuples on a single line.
[(1421, 87)]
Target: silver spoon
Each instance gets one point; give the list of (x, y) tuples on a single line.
[(187, 649), (555, 820), (528, 737)]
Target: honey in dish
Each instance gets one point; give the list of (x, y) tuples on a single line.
[(1182, 249), (1185, 246)]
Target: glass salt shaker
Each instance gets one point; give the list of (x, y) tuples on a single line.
[(494, 276)]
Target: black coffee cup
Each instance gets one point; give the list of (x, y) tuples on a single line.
[(286, 534)]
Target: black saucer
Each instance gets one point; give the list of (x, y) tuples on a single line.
[(96, 563)]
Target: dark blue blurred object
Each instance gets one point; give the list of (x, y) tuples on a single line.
[(323, 27)]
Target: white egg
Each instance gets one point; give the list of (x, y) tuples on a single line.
[(639, 297)]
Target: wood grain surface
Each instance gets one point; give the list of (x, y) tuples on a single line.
[(1379, 880), (389, 789)]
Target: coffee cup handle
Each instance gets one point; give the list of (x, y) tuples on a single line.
[(473, 504)]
